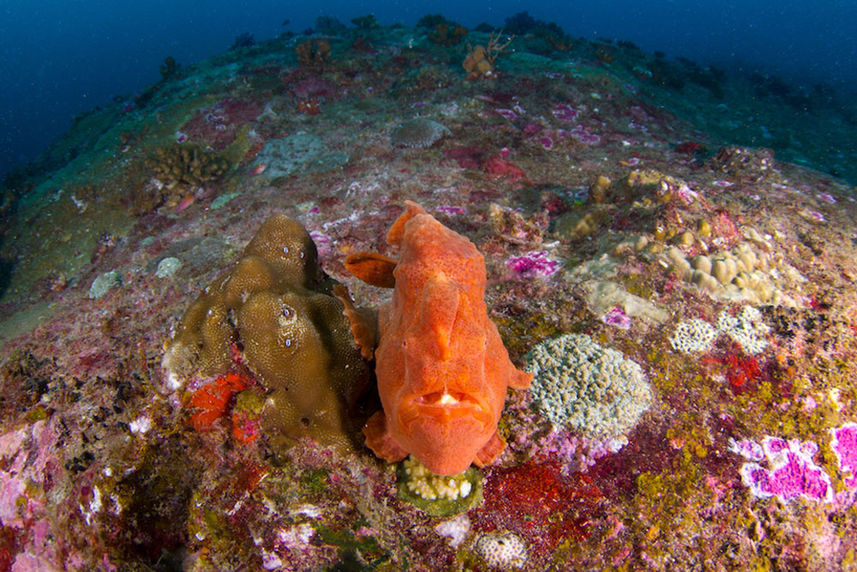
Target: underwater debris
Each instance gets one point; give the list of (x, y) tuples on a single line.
[(581, 385)]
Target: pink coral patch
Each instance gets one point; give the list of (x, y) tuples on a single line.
[(533, 265), (789, 472), (844, 444)]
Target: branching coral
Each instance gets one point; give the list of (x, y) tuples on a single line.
[(178, 170), (313, 53), (480, 59)]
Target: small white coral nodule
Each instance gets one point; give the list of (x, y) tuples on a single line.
[(693, 336), (502, 550)]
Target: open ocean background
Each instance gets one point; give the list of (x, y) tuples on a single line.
[(59, 58)]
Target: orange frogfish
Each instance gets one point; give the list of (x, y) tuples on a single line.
[(441, 366)]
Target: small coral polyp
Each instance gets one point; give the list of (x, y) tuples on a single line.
[(502, 551), (746, 329), (275, 303), (429, 486)]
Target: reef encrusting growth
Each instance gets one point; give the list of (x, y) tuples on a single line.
[(275, 309)]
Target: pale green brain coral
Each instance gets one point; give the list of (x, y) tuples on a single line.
[(583, 386)]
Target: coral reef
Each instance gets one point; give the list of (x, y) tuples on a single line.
[(418, 133), (790, 471), (587, 387), (480, 59), (747, 329), (617, 199), (438, 495), (177, 171), (313, 53), (275, 306), (504, 551)]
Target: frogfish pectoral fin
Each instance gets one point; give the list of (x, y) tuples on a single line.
[(520, 379), (372, 268), (379, 439), (490, 451), (363, 322)]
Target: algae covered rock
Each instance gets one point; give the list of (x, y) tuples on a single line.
[(274, 306)]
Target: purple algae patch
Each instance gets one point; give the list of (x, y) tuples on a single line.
[(618, 318), (844, 444), (451, 210), (584, 135), (790, 470), (565, 112), (534, 264), (506, 113)]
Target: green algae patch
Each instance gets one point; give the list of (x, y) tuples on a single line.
[(438, 495), (356, 552)]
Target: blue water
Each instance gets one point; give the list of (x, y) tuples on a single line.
[(59, 58)]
